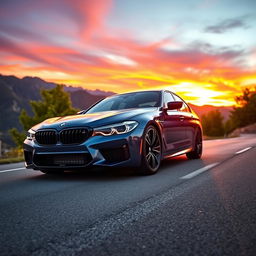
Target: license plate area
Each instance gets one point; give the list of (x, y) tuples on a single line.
[(69, 160), (62, 160)]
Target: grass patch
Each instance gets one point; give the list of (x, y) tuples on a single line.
[(213, 137), (11, 160)]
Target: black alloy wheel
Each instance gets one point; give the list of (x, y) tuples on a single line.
[(152, 151), (198, 147)]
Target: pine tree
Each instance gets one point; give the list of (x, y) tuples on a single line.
[(245, 113), (55, 102)]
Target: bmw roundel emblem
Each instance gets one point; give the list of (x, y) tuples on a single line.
[(62, 124)]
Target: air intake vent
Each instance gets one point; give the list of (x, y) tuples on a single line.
[(114, 155), (46, 137), (62, 160), (74, 136)]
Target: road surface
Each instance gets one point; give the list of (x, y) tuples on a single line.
[(190, 207)]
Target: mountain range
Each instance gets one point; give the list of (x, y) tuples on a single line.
[(16, 94)]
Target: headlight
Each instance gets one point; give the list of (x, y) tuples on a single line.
[(31, 134), (112, 129)]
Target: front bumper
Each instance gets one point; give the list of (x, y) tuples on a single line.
[(122, 150)]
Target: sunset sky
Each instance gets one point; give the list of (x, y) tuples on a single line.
[(203, 50)]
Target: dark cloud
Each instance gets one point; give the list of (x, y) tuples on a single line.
[(21, 32), (7, 45), (227, 25)]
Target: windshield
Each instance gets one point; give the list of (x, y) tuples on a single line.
[(129, 100)]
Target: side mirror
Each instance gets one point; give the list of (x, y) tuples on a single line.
[(174, 105)]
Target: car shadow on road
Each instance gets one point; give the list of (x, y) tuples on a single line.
[(107, 173)]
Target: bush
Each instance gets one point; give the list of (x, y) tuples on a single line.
[(212, 123)]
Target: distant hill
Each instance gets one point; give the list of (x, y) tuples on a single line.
[(16, 93), (93, 92)]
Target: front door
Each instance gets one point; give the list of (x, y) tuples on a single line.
[(174, 132)]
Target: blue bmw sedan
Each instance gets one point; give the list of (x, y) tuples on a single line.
[(136, 129)]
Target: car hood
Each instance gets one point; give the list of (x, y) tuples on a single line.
[(93, 119)]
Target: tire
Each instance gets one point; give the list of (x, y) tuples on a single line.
[(196, 153), (151, 151)]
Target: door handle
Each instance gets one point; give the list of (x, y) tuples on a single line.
[(182, 118)]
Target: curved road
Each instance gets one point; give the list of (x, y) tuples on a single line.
[(190, 207)]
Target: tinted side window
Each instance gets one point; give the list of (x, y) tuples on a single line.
[(176, 98), (184, 107), (167, 98)]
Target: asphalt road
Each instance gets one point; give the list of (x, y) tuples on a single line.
[(190, 207)]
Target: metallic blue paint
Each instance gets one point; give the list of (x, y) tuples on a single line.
[(177, 130)]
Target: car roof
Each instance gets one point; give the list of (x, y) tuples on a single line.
[(138, 92)]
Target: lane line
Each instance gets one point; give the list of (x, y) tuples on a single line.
[(199, 171), (243, 150), (13, 170)]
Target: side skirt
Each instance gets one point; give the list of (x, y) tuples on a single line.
[(181, 152)]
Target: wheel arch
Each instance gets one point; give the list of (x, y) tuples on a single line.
[(159, 130), (198, 128), (145, 169)]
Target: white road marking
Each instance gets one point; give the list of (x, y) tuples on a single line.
[(199, 171), (243, 150), (13, 170)]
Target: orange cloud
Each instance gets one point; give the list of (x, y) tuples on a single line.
[(84, 52)]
